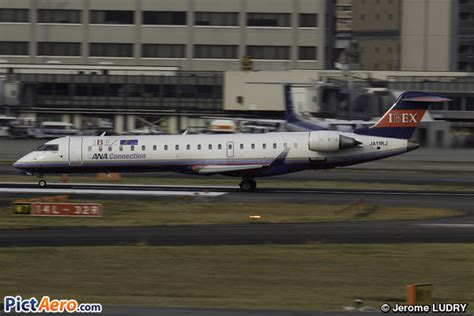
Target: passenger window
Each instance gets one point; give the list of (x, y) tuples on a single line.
[(241, 146), (264, 146), (219, 146), (253, 146), (274, 145), (121, 148), (154, 147), (166, 147), (199, 147), (210, 146), (295, 145), (285, 145), (188, 147), (110, 148), (143, 147), (132, 148), (176, 147), (90, 148), (100, 148)]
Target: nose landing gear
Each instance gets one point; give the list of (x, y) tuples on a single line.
[(248, 185), (42, 182)]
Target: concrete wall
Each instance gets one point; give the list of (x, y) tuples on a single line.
[(428, 36)]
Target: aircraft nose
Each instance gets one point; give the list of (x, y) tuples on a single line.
[(20, 163), (17, 164)]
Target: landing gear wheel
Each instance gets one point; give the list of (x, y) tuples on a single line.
[(42, 183), (248, 185)]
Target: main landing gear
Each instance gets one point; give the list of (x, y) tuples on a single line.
[(248, 185)]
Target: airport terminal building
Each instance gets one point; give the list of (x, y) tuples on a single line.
[(210, 35), (177, 61)]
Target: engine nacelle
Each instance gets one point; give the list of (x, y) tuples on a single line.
[(330, 141)]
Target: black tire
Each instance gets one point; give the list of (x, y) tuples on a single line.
[(248, 185), (42, 183)]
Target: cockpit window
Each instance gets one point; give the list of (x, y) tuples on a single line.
[(48, 147)]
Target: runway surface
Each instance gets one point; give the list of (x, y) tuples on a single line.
[(455, 229), (244, 234), (457, 200), (136, 189)]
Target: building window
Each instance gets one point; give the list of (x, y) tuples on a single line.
[(59, 49), (215, 51), (164, 18), (268, 19), (268, 52), (14, 48), (308, 53), (59, 16), (216, 18), (14, 15), (163, 50), (111, 17), (308, 20), (111, 50)]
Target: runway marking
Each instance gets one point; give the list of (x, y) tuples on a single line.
[(116, 192), (449, 225)]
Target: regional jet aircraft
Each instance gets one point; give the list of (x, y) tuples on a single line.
[(247, 156)]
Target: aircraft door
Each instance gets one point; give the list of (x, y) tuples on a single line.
[(75, 151), (230, 149)]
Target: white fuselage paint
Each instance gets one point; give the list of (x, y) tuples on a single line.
[(78, 154)]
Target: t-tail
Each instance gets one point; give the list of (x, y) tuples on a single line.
[(292, 118), (290, 115), (402, 119)]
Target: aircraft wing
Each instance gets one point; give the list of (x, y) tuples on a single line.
[(210, 169)]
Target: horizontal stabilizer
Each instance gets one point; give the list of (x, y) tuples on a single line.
[(430, 99), (210, 169)]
